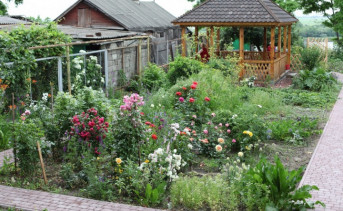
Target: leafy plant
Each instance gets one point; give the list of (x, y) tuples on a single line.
[(315, 80), (310, 57), (153, 196), (153, 77), (182, 67), (196, 193), (282, 184), (292, 130)]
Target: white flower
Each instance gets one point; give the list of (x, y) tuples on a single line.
[(259, 106), (77, 66), (240, 154), (102, 80), (159, 105), (45, 97), (94, 58), (82, 51), (234, 116), (98, 66), (175, 151), (190, 146), (175, 125), (186, 131), (152, 105)]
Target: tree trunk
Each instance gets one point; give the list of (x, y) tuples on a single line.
[(337, 34)]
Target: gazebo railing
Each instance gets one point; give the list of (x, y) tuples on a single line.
[(258, 68), (280, 66)]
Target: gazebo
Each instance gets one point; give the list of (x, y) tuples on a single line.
[(242, 14)]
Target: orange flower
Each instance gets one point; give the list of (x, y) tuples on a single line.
[(183, 133), (34, 81), (11, 107), (22, 103), (0, 80), (3, 87), (49, 95), (28, 79)]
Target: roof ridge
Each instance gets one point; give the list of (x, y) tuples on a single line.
[(191, 10), (269, 10)]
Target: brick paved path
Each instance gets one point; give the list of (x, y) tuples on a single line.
[(325, 169), (37, 200)]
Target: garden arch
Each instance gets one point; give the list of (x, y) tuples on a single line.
[(242, 14)]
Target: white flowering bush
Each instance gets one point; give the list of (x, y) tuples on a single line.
[(164, 162), (87, 73)]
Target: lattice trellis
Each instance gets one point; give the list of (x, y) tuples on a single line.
[(322, 43), (260, 70), (296, 63)]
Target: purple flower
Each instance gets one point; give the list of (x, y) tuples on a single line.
[(181, 99)]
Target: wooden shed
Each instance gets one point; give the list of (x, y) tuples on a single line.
[(246, 13)]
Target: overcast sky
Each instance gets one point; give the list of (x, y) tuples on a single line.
[(53, 8)]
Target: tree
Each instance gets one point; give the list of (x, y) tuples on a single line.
[(331, 9), (3, 6)]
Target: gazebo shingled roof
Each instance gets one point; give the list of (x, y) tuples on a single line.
[(273, 61), (236, 11)]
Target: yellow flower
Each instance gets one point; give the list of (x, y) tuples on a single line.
[(146, 161), (121, 171), (117, 177), (247, 148), (221, 140), (118, 160), (240, 154), (248, 133), (98, 158)]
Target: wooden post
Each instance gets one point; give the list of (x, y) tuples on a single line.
[(148, 49), (265, 43), (208, 38), (212, 38), (289, 46), (14, 139), (279, 42), (284, 39), (196, 39), (272, 52), (218, 41), (42, 163), (241, 49), (139, 49), (68, 69), (183, 40)]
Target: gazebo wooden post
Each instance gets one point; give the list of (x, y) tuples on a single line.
[(279, 42), (207, 37), (272, 51), (212, 38), (218, 41), (196, 39), (183, 40), (265, 43), (284, 39), (241, 49), (289, 46)]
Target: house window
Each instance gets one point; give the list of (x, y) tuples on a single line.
[(161, 34)]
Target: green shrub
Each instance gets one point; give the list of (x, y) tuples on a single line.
[(195, 193), (307, 99), (310, 57), (284, 194), (292, 130), (183, 67), (5, 133), (27, 134), (153, 77), (316, 80)]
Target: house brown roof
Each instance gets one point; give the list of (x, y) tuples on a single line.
[(237, 11)]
